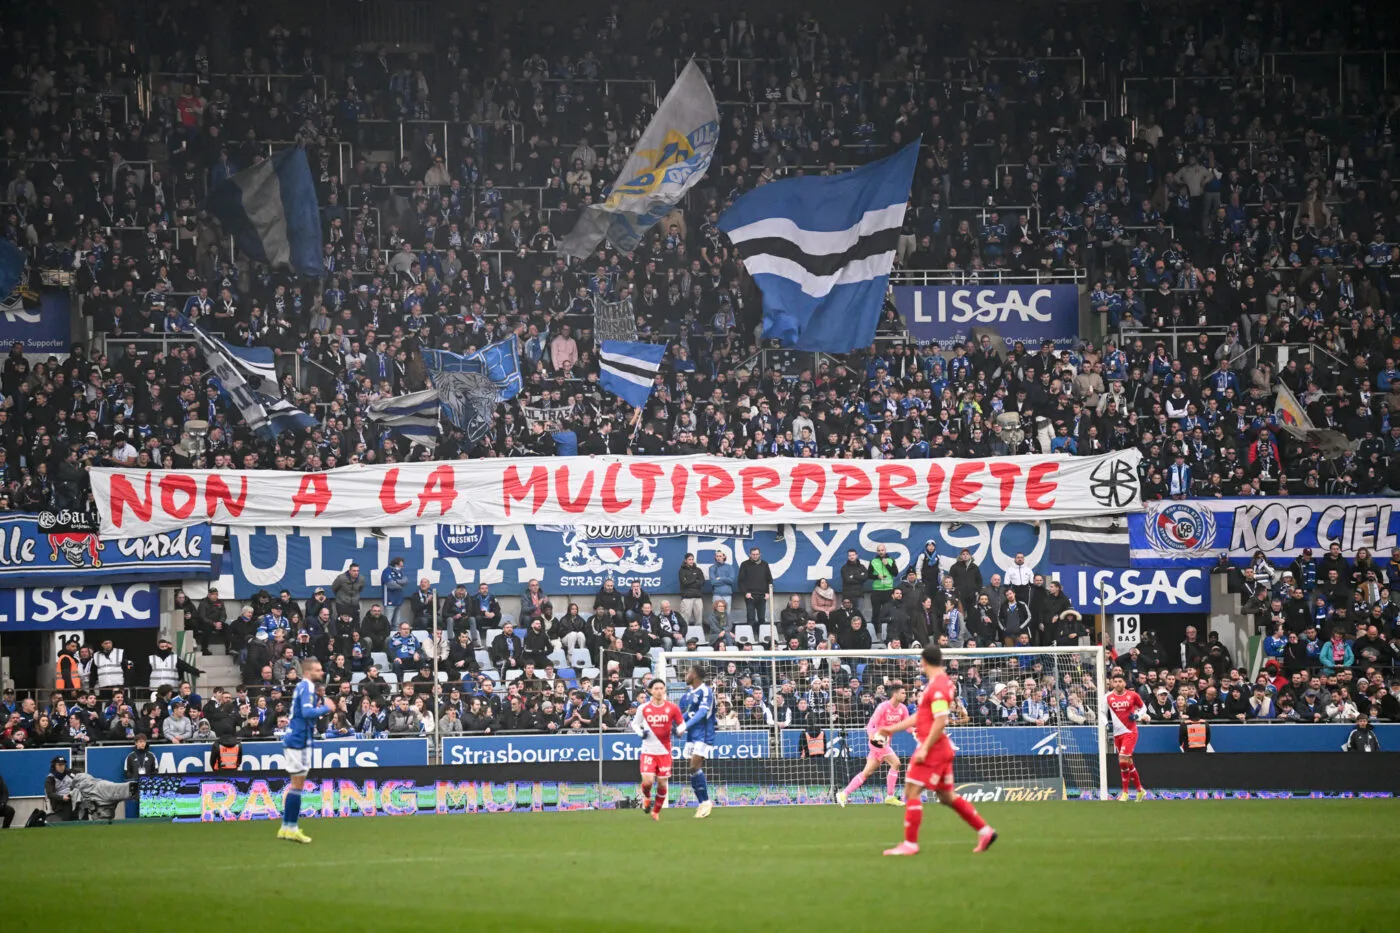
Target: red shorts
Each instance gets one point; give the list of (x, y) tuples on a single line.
[(935, 772), (1125, 743), (659, 765)]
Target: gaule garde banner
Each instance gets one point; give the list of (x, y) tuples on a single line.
[(626, 490)]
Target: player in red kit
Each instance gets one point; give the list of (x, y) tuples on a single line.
[(931, 768), (1124, 707), (654, 722)]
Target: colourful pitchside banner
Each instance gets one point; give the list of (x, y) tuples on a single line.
[(560, 490)]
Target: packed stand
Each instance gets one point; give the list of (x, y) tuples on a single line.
[(1244, 213), (1332, 650)]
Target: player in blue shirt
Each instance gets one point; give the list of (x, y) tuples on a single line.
[(698, 708), (297, 741)]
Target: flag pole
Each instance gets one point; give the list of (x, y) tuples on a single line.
[(636, 428)]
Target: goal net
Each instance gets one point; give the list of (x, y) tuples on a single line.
[(791, 725)]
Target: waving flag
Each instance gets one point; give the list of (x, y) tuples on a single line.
[(499, 362), (469, 385), (1290, 411), (1090, 542), (248, 377), (270, 211), (670, 158), (821, 249), (628, 370), (415, 416)]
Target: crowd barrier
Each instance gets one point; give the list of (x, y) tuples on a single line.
[(24, 770)]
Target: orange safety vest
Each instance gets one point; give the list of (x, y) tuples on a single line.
[(66, 673), (227, 757), (816, 744), (1196, 734)]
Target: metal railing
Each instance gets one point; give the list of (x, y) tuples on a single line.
[(988, 277)]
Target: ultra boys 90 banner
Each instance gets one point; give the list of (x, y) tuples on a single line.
[(578, 560), (59, 549), (626, 490), (1195, 533)]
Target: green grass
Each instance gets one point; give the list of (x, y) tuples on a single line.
[(1176, 866)]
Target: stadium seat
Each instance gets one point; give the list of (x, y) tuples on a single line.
[(425, 637), (743, 631), (483, 658), (379, 659), (389, 677), (356, 677), (514, 675), (579, 657), (589, 672), (696, 632), (765, 632), (489, 636), (558, 657), (490, 674), (442, 677)]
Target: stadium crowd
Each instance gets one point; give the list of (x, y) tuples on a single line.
[(1210, 228)]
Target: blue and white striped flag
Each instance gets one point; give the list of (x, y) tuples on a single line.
[(821, 248), (270, 211), (248, 376), (628, 370), (414, 416)]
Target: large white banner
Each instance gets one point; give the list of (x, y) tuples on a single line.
[(622, 490)]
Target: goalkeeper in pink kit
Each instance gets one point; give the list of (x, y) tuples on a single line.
[(889, 713)]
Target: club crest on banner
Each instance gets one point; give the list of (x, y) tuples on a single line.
[(1180, 528), (585, 554)]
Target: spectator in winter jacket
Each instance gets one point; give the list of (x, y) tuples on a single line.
[(405, 651), (792, 618), (607, 604), (374, 628), (893, 617), (1363, 737), (454, 615), (853, 577), (422, 603), (531, 599), (690, 580), (403, 719), (854, 638), (395, 579), (212, 617), (755, 579), (1336, 654), (461, 657), (883, 575), (1014, 616), (723, 578), (140, 762), (347, 588), (967, 577), (485, 612), (178, 726), (926, 566), (507, 653), (718, 624)]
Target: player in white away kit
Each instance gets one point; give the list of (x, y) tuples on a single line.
[(890, 712), (1125, 708), (654, 722)]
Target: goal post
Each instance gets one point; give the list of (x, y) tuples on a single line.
[(1028, 722)]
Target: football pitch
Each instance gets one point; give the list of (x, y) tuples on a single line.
[(1170, 865)]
